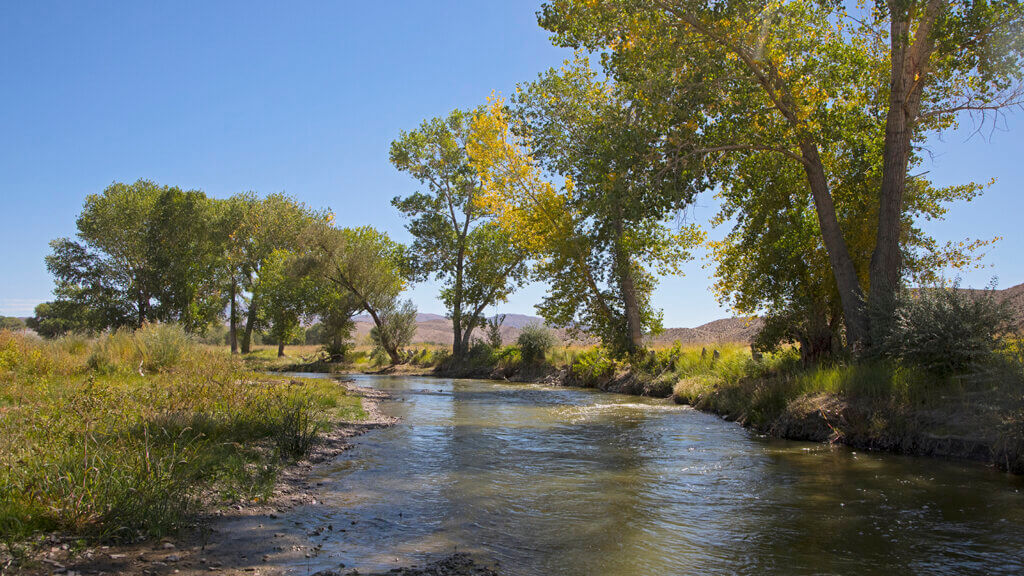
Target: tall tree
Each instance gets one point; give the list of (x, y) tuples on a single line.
[(800, 79), (367, 265), (144, 253), (456, 241), (944, 58), (601, 236), (275, 222), (772, 262), (288, 295), (234, 215)]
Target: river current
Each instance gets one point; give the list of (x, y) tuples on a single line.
[(548, 480)]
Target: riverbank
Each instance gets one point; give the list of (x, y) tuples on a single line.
[(227, 537), (137, 437)]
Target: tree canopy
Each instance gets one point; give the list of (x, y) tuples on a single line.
[(456, 240)]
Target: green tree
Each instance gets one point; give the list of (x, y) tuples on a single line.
[(494, 337), (185, 247), (456, 240), (366, 265), (335, 307), (945, 58), (145, 253), (397, 327), (803, 81), (11, 323), (261, 226), (772, 262), (598, 240), (60, 317), (287, 297)]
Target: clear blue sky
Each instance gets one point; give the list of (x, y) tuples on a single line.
[(305, 97)]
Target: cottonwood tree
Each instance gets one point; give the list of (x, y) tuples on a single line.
[(456, 241), (797, 80), (287, 296), (144, 253), (259, 227), (772, 261), (366, 264), (599, 238)]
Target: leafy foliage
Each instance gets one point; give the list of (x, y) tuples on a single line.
[(946, 330), (456, 240), (812, 84), (534, 341), (365, 269), (599, 238)]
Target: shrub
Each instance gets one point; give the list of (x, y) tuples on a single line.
[(534, 342), (297, 423), (946, 330), (152, 348), (493, 331), (593, 366)]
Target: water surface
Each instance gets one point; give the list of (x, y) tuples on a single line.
[(549, 480)]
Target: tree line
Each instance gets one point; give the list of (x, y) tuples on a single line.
[(151, 253), (806, 118)]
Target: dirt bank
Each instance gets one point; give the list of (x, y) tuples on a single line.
[(232, 539)]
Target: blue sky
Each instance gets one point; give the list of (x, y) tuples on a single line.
[(305, 98)]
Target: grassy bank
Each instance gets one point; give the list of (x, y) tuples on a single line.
[(878, 405), (129, 435)]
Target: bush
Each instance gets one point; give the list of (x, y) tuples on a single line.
[(298, 423), (534, 342), (593, 366), (946, 330)]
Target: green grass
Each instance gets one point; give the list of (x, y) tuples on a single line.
[(130, 434)]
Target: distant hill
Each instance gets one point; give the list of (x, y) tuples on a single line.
[(724, 330), (436, 329)]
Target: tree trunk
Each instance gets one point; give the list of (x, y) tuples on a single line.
[(630, 304), (467, 334), (143, 304), (850, 294), (627, 285), (250, 325), (233, 321), (908, 68), (457, 349), (280, 347)]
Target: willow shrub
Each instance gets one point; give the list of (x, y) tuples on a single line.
[(946, 330)]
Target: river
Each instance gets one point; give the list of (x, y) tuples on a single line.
[(548, 480)]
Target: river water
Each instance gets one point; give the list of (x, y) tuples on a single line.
[(549, 480)]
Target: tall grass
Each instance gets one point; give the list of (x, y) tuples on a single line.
[(126, 435)]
